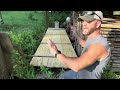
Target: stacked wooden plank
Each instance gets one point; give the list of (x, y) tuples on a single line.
[(111, 31), (61, 39)]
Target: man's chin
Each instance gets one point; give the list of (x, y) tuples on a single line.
[(84, 33)]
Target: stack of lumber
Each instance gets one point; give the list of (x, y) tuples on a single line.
[(111, 31), (61, 39)]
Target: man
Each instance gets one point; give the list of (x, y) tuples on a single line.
[(95, 54)]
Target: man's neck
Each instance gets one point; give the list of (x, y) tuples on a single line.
[(94, 34)]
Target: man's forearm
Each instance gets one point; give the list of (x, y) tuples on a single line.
[(70, 62)]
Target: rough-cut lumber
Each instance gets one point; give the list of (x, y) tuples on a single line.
[(110, 25), (60, 38), (56, 38), (111, 31), (56, 31), (43, 50), (109, 19)]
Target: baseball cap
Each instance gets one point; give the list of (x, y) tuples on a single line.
[(91, 15)]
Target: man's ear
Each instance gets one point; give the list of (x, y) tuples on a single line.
[(98, 24)]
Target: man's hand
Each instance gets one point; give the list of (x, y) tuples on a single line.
[(53, 47)]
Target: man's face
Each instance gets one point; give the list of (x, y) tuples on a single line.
[(89, 27)]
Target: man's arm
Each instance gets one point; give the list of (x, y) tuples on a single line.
[(94, 53)]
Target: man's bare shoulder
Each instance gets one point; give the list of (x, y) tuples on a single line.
[(97, 50)]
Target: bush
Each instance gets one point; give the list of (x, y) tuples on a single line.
[(20, 69)]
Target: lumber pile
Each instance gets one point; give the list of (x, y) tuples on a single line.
[(111, 32)]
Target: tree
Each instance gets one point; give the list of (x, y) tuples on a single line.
[(1, 19)]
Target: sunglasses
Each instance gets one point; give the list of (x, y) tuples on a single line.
[(90, 13)]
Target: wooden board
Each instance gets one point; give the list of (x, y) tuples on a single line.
[(66, 49), (43, 50), (60, 38), (48, 62), (109, 19), (56, 38), (52, 31), (115, 69), (110, 25)]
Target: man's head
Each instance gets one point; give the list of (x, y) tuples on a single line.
[(91, 21), (92, 15)]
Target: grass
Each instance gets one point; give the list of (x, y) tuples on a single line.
[(21, 17)]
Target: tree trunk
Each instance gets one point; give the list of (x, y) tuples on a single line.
[(5, 53), (1, 19), (77, 24)]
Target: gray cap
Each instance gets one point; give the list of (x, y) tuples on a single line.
[(90, 17)]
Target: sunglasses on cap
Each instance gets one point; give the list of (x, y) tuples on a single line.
[(90, 13)]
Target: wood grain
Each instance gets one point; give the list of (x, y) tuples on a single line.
[(61, 39)]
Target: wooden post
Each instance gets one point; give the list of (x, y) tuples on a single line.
[(47, 19), (79, 47), (5, 52), (73, 16), (77, 24)]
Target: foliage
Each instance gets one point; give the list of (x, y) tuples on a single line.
[(20, 69), (27, 37), (50, 74), (26, 33), (45, 70), (108, 74), (59, 16), (25, 40), (111, 75)]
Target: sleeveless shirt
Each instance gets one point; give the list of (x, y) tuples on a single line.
[(95, 70)]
